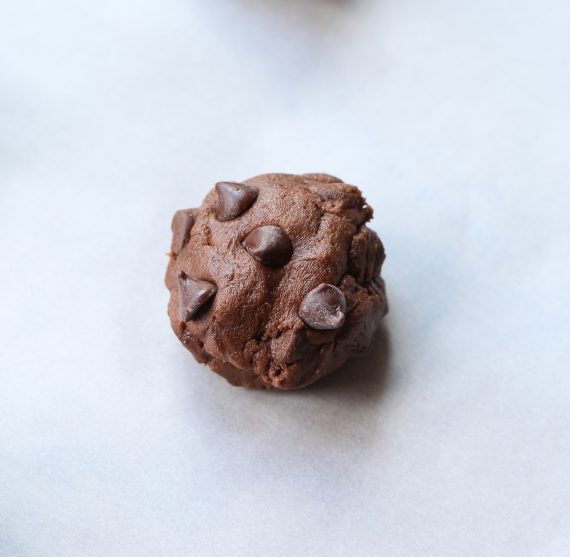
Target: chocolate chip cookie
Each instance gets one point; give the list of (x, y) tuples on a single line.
[(275, 281)]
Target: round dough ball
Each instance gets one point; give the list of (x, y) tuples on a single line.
[(275, 282)]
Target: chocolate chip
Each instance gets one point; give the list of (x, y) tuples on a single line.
[(193, 295), (182, 224), (269, 245), (234, 199), (324, 308)]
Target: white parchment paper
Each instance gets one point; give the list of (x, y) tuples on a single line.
[(450, 439)]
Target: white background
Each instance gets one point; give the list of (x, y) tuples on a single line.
[(451, 439)]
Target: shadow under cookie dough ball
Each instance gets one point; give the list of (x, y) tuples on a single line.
[(275, 281)]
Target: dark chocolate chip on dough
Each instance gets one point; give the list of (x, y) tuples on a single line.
[(269, 245), (324, 308), (182, 224), (193, 295), (234, 199)]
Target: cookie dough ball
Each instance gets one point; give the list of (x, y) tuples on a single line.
[(275, 282)]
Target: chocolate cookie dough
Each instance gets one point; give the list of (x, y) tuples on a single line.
[(275, 282)]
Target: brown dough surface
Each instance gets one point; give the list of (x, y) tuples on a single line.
[(250, 331)]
